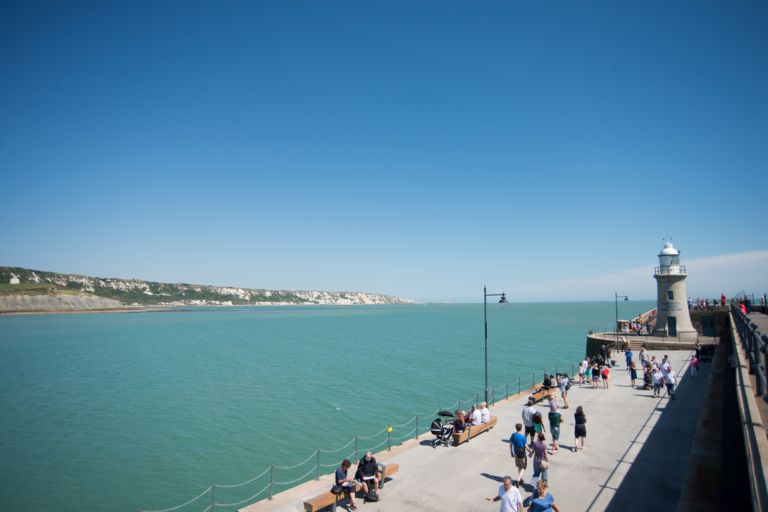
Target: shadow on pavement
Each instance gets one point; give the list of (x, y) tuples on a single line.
[(659, 468)]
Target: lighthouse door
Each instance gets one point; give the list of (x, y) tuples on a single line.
[(671, 326)]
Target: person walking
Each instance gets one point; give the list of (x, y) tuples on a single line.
[(529, 411), (540, 459), (538, 424), (510, 498), (656, 380), (580, 428), (694, 366), (543, 501), (633, 374), (595, 375), (555, 419), (671, 380), (628, 357), (564, 383), (518, 450), (605, 373)]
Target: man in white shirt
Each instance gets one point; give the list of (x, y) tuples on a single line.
[(529, 411), (671, 380), (475, 416), (510, 498), (657, 380), (485, 414)]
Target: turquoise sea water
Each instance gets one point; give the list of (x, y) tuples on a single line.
[(145, 410)]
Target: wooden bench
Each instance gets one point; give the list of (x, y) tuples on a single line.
[(541, 394), (328, 499), (470, 431)]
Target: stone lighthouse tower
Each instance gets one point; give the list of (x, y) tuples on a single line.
[(672, 316)]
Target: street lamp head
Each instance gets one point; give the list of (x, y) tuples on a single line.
[(626, 299), (503, 299)]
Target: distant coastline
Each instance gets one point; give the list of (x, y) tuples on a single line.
[(34, 291)]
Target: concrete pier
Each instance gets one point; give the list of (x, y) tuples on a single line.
[(637, 446)]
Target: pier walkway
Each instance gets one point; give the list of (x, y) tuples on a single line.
[(637, 447)]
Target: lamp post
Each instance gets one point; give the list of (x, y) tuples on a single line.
[(502, 300), (616, 323)]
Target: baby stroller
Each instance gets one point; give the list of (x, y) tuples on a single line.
[(442, 430)]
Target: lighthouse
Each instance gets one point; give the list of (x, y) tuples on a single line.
[(672, 316)]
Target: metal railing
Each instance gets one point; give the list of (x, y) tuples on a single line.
[(667, 271), (755, 346), (276, 478), (752, 425)]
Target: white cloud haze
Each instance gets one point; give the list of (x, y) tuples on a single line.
[(707, 277)]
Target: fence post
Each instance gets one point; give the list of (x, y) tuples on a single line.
[(519, 389), (506, 391), (417, 427), (271, 480), (356, 448), (389, 437), (317, 474), (213, 497)]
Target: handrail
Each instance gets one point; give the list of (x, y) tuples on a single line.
[(388, 441), (755, 444)]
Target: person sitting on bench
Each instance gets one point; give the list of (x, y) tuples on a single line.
[(366, 471), (347, 484), (458, 421)]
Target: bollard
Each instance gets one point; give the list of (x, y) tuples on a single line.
[(317, 474), (271, 479), (213, 497)]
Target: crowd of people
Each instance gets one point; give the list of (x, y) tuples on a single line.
[(528, 443)]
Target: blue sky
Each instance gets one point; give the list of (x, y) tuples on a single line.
[(415, 148)]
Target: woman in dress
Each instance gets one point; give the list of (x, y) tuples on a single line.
[(580, 428), (538, 424), (540, 458)]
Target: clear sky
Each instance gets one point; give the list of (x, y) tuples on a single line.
[(421, 149)]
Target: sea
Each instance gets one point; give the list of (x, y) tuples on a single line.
[(147, 410)]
